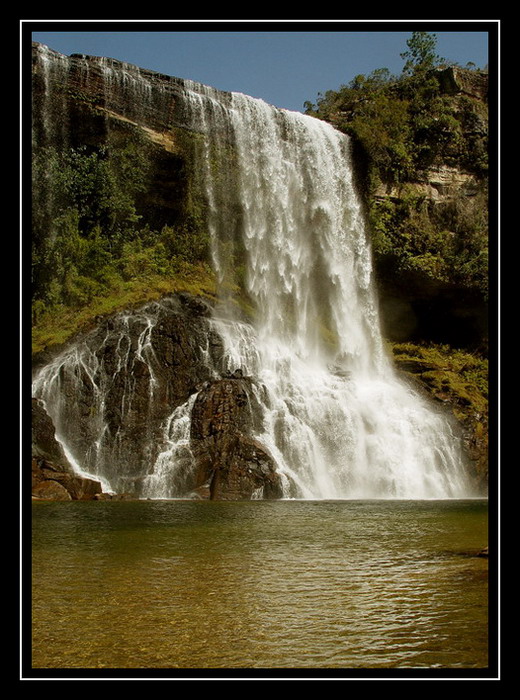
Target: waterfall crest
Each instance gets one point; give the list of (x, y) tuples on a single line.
[(288, 241)]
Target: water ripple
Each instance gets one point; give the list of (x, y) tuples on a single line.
[(259, 585)]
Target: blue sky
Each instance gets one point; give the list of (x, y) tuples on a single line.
[(285, 66)]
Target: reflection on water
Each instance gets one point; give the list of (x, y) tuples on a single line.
[(289, 584)]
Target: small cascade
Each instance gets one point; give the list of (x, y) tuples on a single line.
[(174, 464), (289, 243), (110, 398)]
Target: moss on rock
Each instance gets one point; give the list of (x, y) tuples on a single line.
[(458, 380)]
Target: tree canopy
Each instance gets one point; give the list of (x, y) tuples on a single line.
[(404, 127), (421, 54)]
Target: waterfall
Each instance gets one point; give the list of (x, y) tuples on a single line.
[(289, 243), (338, 420)]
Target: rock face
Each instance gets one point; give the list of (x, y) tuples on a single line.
[(52, 476), (438, 184), (44, 443), (456, 81), (143, 384), (51, 483), (234, 465), (91, 102), (110, 394)]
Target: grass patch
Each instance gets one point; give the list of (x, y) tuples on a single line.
[(450, 375), (61, 323)]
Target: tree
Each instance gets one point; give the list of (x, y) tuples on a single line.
[(421, 54)]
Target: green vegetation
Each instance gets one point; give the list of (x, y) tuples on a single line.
[(451, 376), (445, 242), (406, 126), (420, 56), (407, 123), (58, 323), (457, 380), (92, 253)]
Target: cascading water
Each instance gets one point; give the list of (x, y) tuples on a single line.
[(110, 399), (336, 417)]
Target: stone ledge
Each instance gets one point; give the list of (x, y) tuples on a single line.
[(50, 482)]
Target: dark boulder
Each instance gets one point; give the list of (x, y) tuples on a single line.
[(227, 459)]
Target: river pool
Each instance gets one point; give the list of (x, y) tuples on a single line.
[(261, 585)]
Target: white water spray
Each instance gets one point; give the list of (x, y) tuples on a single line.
[(337, 419)]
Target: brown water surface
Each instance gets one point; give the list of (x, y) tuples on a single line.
[(286, 584)]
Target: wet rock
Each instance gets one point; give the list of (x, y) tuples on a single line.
[(235, 466), (52, 482), (50, 491), (44, 443), (198, 306), (135, 369), (248, 472)]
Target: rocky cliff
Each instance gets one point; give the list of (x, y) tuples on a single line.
[(425, 181), (82, 102), (120, 205), (423, 150), (114, 382)]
